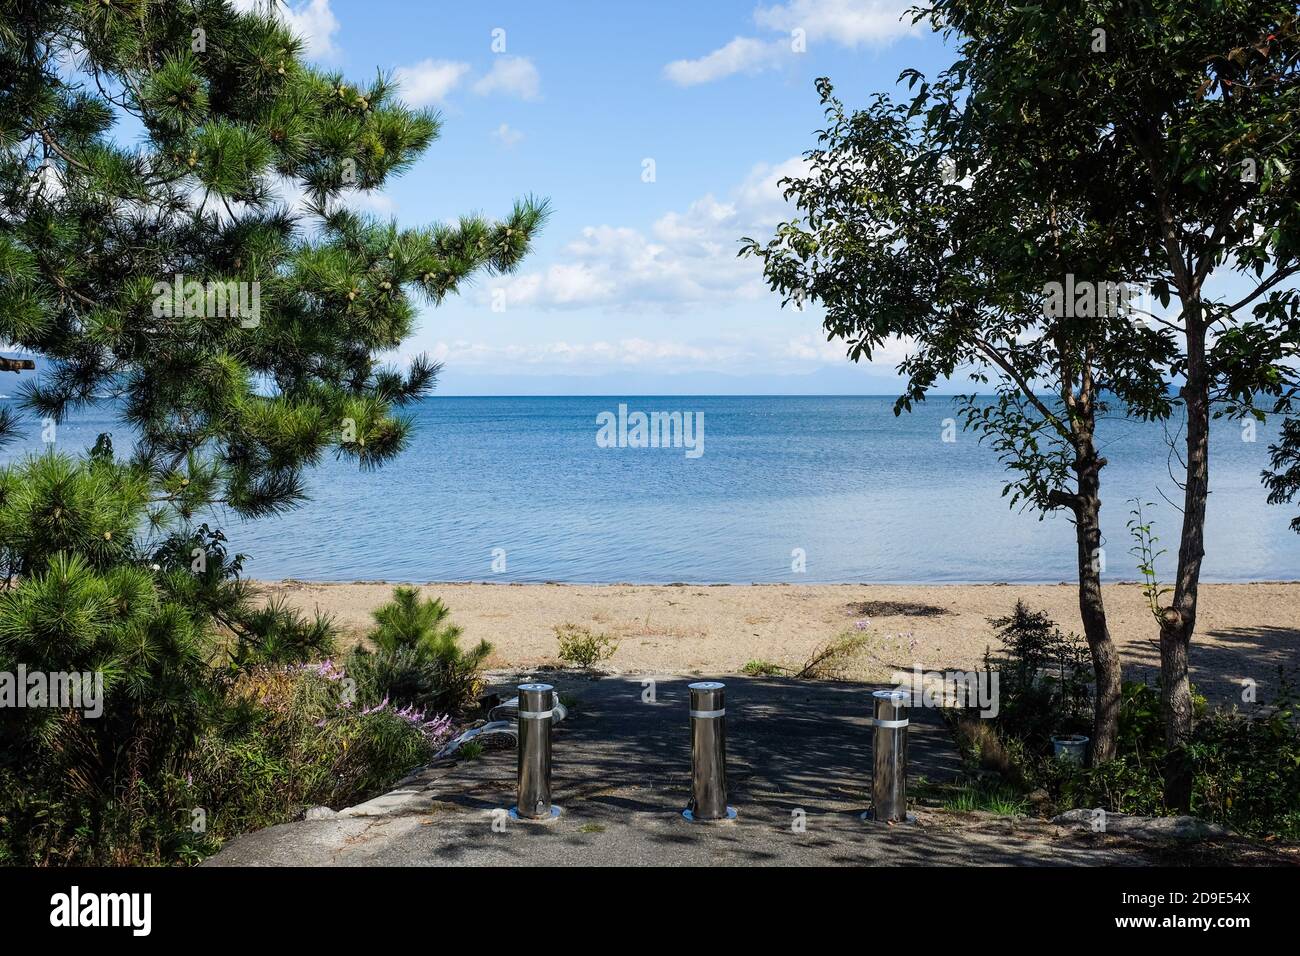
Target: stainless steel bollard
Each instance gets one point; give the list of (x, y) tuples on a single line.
[(536, 702), (708, 754), (889, 757)]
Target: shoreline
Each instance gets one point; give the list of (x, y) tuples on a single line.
[(483, 582), (1245, 631)]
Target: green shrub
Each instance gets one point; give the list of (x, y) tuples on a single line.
[(1127, 783), (1132, 782), (1245, 769), (408, 621), (204, 731), (580, 647), (77, 598), (761, 669), (418, 660), (295, 740), (1043, 678), (286, 739)]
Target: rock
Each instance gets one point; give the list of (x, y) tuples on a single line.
[(1143, 828), (320, 813)]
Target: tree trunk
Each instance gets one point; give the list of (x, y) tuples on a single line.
[(1179, 620), (1105, 658), (1176, 702)]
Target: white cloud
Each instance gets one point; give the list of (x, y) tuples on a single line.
[(741, 55), (567, 285), (762, 194), (312, 20), (809, 348), (429, 81), (848, 23), (371, 201), (292, 195), (599, 355), (507, 135), (756, 353), (513, 76), (315, 22), (687, 257)]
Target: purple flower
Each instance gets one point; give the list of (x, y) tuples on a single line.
[(326, 669), (437, 730)]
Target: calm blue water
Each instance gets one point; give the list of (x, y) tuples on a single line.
[(867, 496)]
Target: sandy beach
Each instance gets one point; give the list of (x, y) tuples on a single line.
[(1244, 630)]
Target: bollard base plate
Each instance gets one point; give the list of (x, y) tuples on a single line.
[(731, 815), (870, 817), (548, 818)]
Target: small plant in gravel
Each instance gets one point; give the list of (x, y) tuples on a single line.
[(470, 750), (988, 798), (762, 669), (833, 659), (581, 647)]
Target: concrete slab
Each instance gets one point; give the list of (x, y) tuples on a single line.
[(797, 750)]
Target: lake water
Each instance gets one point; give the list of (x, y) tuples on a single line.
[(863, 495)]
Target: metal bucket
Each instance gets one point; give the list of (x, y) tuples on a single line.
[(1071, 747)]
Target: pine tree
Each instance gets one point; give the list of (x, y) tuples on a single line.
[(148, 153), (150, 253)]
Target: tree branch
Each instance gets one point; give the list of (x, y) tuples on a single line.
[(1273, 280), (1020, 381)]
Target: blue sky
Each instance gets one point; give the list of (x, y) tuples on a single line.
[(634, 286)]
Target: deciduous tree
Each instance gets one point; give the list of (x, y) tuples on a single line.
[(1169, 126)]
